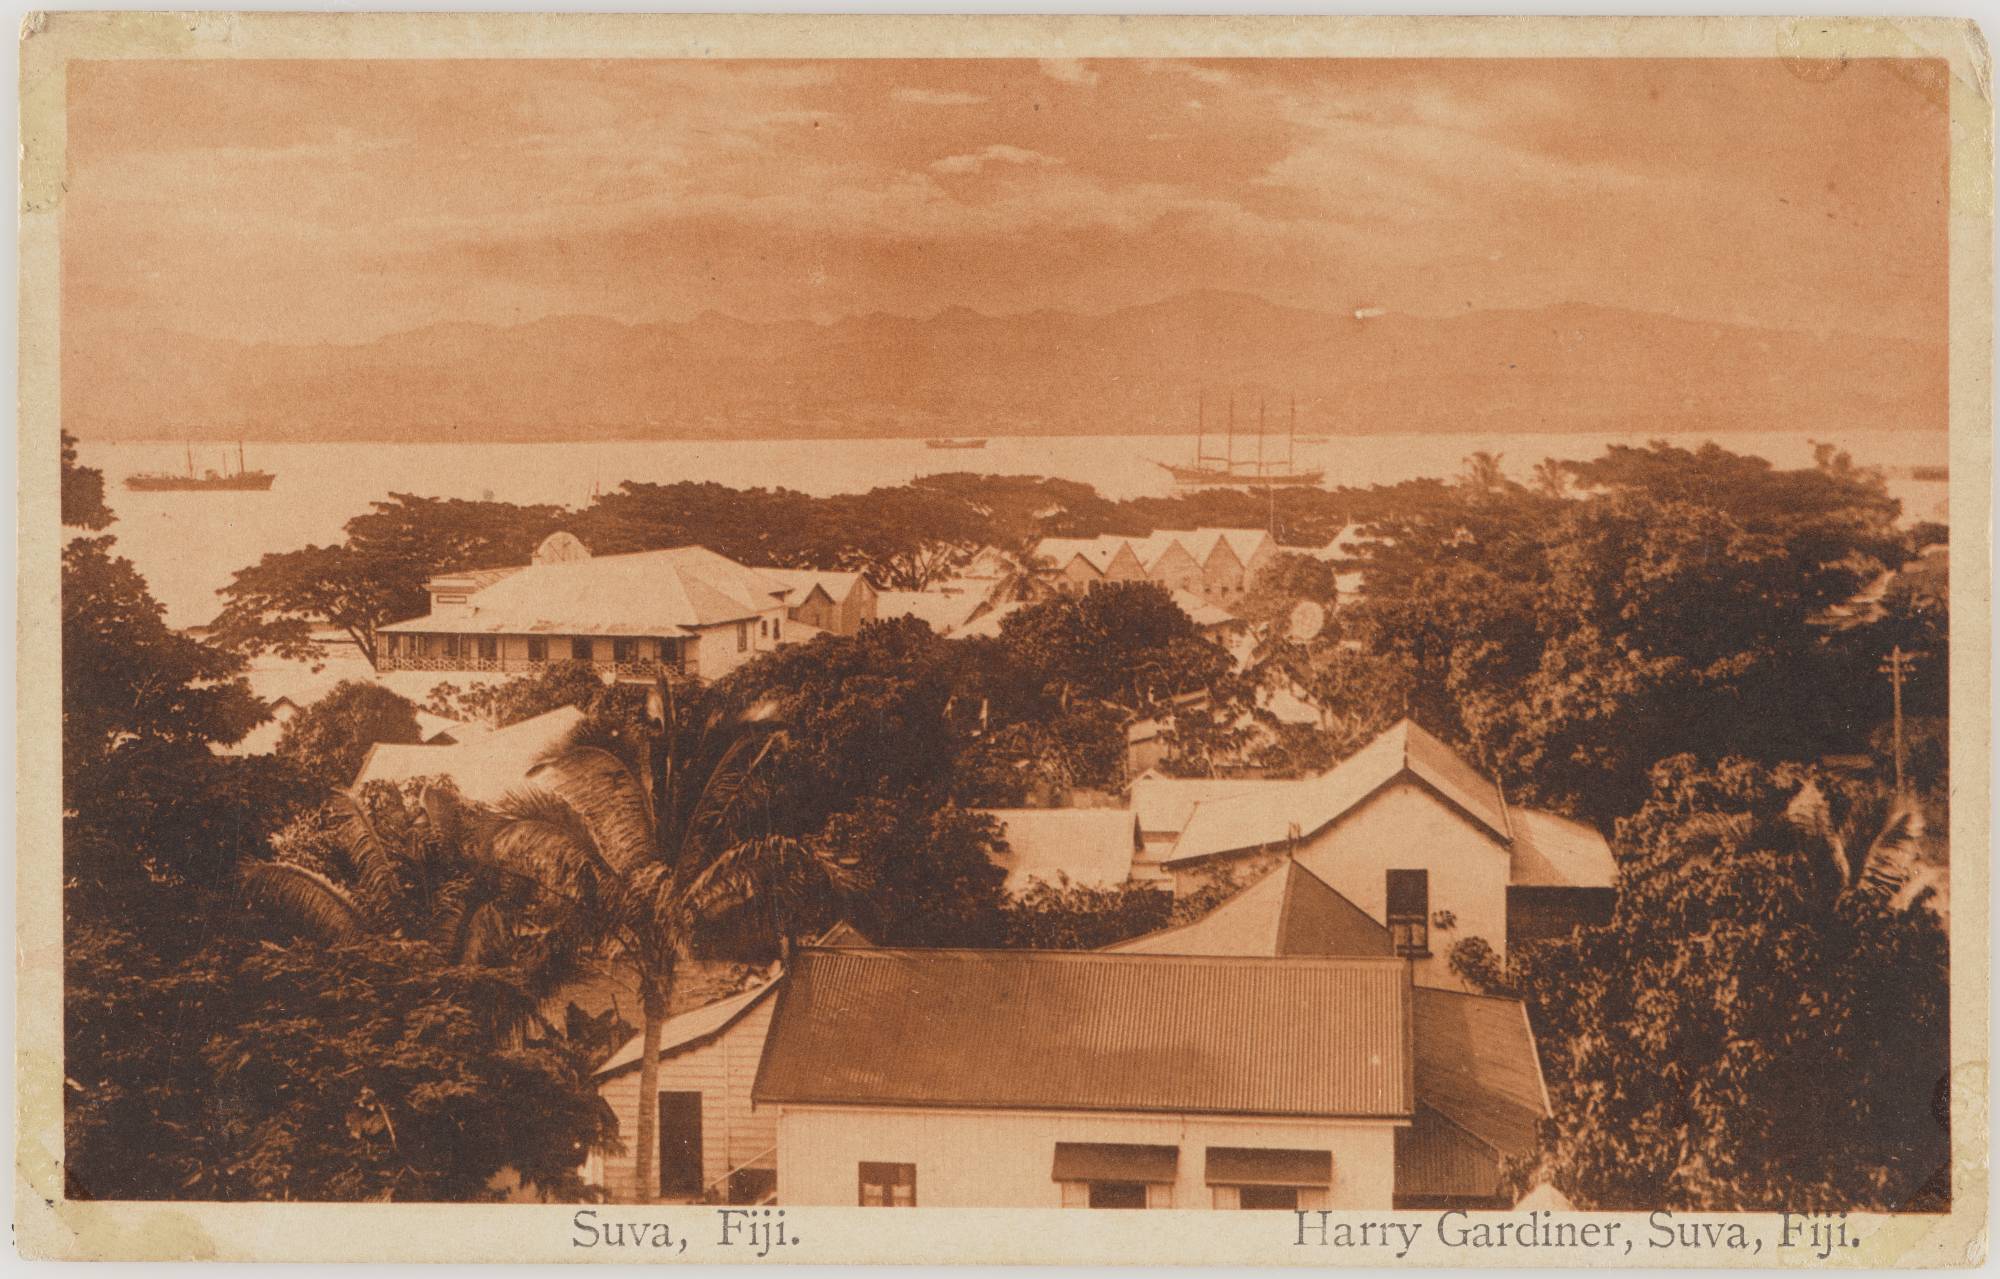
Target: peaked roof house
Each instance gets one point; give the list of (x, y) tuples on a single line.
[(1214, 563), (826, 601), (716, 1145), (1172, 1070), (1048, 1079), (1480, 1096), (1290, 911), (681, 611), (485, 766), (1406, 829)]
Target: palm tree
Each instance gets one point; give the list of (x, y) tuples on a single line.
[(1483, 473), (666, 871), (424, 881)]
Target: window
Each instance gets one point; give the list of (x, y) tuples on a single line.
[(1102, 1174), (395, 644), (1409, 912), (538, 649), (584, 648), (453, 646), (489, 647), (888, 1185), (624, 650), (449, 599), (680, 1144), (1258, 1177), (742, 636), (1118, 1194)]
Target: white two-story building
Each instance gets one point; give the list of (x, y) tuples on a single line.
[(682, 611)]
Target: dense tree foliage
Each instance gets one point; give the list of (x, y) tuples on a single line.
[(82, 491), (208, 1056), (328, 740), (144, 794), (1760, 1026), (1762, 1023), (356, 1071), (1570, 644), (377, 575)]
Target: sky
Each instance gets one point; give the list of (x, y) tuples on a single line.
[(338, 201)]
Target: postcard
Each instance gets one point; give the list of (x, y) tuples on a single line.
[(642, 636)]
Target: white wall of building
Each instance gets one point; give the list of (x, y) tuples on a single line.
[(719, 651), (1003, 1159), (1407, 827), (734, 1131)]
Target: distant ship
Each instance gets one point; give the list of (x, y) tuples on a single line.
[(242, 480), (955, 444), (1225, 470)]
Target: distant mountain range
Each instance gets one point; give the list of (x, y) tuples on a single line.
[(1137, 370)]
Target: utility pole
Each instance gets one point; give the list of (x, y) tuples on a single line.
[(1897, 668)]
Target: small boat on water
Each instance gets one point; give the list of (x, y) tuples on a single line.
[(955, 444), (1225, 470), (241, 480), (1932, 473)]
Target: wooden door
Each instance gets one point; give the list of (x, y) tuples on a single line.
[(680, 1145)]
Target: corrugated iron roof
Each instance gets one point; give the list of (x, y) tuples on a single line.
[(1290, 911), (837, 585), (484, 767), (1092, 1031), (1477, 1064), (669, 592), (1240, 821), (943, 610), (691, 1029), (1553, 851), (1165, 803), (1437, 1159)]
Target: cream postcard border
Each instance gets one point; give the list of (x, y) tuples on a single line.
[(48, 1226)]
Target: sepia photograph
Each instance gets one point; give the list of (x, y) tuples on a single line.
[(652, 634)]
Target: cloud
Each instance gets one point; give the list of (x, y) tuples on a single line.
[(936, 97), (998, 153), (1068, 70)]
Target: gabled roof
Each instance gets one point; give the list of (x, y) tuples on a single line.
[(1552, 851), (484, 767), (1098, 552), (1155, 547), (988, 623), (1290, 911), (698, 1026), (670, 592), (1477, 1065), (1089, 846), (1229, 824), (1048, 1030), (944, 611), (838, 586), (1164, 803), (691, 1029)]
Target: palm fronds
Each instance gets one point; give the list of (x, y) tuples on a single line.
[(617, 806), (540, 835), (374, 866), (311, 902)]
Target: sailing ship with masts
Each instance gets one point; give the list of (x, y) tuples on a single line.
[(1219, 470), (242, 479)]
